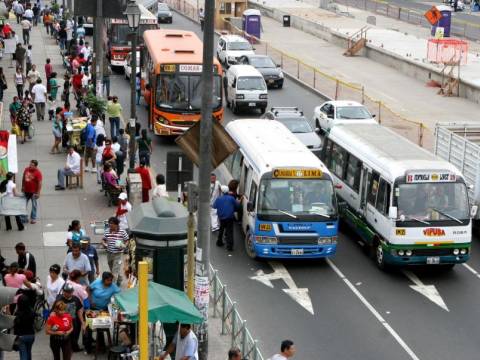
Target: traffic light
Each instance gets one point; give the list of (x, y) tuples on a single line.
[(7, 341)]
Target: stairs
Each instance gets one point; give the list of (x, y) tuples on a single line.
[(356, 42)]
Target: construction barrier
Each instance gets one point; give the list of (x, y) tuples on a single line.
[(329, 86)]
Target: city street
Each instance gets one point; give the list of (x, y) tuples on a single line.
[(359, 312)]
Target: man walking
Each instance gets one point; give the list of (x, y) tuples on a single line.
[(114, 111), (26, 261), (32, 76), (90, 137), (226, 205), (26, 27), (76, 260), (32, 186), (20, 53), (287, 350), (72, 167), (115, 240), (201, 17), (39, 93)]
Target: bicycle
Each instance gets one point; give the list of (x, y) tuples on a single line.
[(40, 311)]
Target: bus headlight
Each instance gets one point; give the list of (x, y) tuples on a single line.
[(324, 240), (400, 252), (463, 251), (456, 251), (408, 252), (266, 239)]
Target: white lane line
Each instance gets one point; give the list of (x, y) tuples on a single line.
[(472, 270), (429, 291), (375, 313)]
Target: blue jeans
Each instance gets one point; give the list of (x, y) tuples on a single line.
[(25, 347), (114, 126), (139, 94), (106, 85), (33, 198), (61, 176)]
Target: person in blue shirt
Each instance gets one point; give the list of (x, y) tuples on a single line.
[(92, 255), (90, 137), (101, 290), (226, 205)]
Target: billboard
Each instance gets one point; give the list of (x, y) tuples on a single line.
[(111, 8)]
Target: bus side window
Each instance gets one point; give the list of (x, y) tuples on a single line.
[(237, 165), (373, 188), (253, 194), (338, 160), (228, 162), (353, 172), (242, 188), (383, 198), (326, 152)]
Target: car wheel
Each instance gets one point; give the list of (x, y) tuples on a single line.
[(126, 76), (249, 246), (262, 110), (280, 86), (234, 108)]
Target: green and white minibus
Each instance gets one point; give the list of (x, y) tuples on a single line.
[(408, 206)]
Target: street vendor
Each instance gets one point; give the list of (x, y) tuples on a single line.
[(185, 347), (101, 291)]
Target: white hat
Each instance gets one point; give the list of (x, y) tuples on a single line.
[(123, 196), (224, 189)]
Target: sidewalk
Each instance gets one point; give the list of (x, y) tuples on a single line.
[(46, 238)]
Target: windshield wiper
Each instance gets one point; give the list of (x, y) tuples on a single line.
[(420, 221), (448, 215), (318, 213)]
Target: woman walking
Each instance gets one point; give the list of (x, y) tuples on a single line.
[(57, 126), (54, 284), (144, 148), (59, 326), (24, 120), (53, 86), (19, 80), (23, 327), (99, 147), (3, 83)]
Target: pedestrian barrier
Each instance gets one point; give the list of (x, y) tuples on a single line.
[(458, 27), (331, 87), (232, 322)]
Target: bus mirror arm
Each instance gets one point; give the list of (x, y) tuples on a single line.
[(393, 212), (473, 211)]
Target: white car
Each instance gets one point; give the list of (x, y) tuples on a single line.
[(127, 67), (231, 48), (336, 112)]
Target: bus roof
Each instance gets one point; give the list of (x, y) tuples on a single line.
[(146, 17), (268, 144), (386, 151), (170, 46)]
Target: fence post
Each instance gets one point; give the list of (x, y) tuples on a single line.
[(379, 112), (464, 29), (244, 336), (298, 69), (266, 48), (337, 83), (255, 349), (215, 293), (363, 94), (234, 330), (281, 60), (314, 78), (420, 135), (224, 308)]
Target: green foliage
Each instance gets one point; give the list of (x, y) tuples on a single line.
[(55, 8), (96, 105)]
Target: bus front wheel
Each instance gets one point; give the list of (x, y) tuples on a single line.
[(379, 255), (249, 246)]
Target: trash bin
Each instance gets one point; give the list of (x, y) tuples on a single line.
[(444, 22), (286, 20)]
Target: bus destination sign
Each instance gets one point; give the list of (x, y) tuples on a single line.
[(184, 68), (426, 177), (297, 173)]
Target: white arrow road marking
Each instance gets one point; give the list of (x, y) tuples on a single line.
[(300, 295), (375, 313), (429, 291)]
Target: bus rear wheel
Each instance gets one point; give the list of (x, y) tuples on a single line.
[(249, 246)]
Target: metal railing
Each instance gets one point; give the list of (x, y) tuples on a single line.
[(458, 27), (232, 322)]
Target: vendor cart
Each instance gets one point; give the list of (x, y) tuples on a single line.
[(74, 128)]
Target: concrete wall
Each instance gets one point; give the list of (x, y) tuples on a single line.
[(421, 72)]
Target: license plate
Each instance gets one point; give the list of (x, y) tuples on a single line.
[(433, 260), (251, 104), (270, 81), (296, 252)]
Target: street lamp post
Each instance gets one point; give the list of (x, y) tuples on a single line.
[(133, 16)]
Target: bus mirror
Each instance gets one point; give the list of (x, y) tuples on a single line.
[(338, 186), (473, 211), (393, 212), (250, 207), (234, 84)]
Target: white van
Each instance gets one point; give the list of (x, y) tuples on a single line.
[(245, 88)]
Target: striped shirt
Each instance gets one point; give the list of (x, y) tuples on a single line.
[(115, 241)]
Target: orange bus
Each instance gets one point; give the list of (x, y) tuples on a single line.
[(173, 66)]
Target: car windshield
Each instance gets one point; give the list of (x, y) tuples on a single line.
[(261, 62), (297, 125), (239, 45), (251, 83), (184, 92), (427, 202), (296, 197), (352, 112), (121, 33), (163, 7)]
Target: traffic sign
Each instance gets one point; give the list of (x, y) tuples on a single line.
[(433, 15)]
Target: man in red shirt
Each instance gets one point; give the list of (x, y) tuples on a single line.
[(146, 180), (32, 186)]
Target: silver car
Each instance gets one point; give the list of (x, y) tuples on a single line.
[(164, 15)]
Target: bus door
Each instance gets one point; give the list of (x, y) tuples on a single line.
[(364, 212), (366, 176)]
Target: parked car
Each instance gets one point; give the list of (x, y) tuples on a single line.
[(127, 68), (231, 48), (245, 88), (272, 73), (337, 112), (298, 124), (164, 15)]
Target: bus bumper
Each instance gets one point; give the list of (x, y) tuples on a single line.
[(272, 251), (392, 257), (168, 130), (119, 63)]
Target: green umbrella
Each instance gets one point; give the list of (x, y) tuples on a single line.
[(165, 304)]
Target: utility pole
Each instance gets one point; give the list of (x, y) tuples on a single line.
[(205, 168), (99, 49)]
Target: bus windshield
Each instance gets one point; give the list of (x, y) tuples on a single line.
[(120, 34), (296, 198), (184, 92), (427, 202)]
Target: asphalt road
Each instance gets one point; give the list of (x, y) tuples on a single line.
[(359, 312)]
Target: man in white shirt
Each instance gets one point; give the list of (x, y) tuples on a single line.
[(184, 343), (28, 14), (86, 51), (39, 93), (72, 167), (124, 207), (32, 76), (287, 350), (26, 27)]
